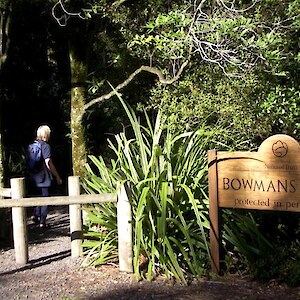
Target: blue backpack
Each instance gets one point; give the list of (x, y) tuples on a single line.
[(34, 158)]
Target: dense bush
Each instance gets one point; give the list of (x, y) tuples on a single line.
[(167, 175)]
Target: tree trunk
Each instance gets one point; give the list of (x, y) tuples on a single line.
[(79, 39), (77, 131), (79, 34), (78, 93)]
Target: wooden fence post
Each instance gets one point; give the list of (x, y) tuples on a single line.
[(75, 218), (19, 222), (124, 220)]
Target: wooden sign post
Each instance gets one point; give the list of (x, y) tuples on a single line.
[(268, 179)]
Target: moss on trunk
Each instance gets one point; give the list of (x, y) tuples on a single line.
[(78, 51)]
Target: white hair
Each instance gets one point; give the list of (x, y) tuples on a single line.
[(43, 133)]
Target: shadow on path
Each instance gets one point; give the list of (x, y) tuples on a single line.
[(40, 262), (40, 241), (58, 221), (59, 225)]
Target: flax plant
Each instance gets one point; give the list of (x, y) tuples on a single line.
[(167, 174)]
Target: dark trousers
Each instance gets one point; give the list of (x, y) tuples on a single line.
[(42, 211)]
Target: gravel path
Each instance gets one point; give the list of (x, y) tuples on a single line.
[(52, 274)]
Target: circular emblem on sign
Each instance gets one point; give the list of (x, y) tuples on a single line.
[(280, 149)]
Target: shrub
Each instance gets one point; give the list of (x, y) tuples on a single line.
[(167, 174)]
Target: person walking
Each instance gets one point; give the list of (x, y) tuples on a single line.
[(42, 178)]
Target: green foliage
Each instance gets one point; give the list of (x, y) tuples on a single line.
[(253, 107), (14, 164), (165, 37), (249, 108), (206, 97), (281, 265), (243, 239), (167, 174), (278, 42), (265, 252), (209, 32), (281, 110), (100, 244)]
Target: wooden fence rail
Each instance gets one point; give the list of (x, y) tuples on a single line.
[(18, 203), (5, 192)]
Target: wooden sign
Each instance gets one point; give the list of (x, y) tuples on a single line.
[(268, 179)]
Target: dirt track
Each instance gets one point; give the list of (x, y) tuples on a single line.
[(52, 274)]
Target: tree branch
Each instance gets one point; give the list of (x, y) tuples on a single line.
[(148, 69)]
